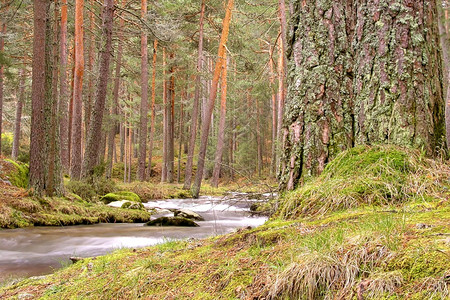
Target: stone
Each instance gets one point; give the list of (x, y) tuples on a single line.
[(188, 214), (172, 221)]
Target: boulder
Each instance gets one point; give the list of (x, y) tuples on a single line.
[(188, 214), (126, 204), (172, 221), (119, 196)]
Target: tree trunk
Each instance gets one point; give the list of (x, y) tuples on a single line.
[(37, 166), (92, 145), (222, 119), (194, 116), (115, 108), (76, 150), (171, 123), (274, 113), (212, 99), (63, 96), (362, 72), (90, 70), (144, 99), (2, 68), (54, 171), (152, 125), (165, 120), (444, 39), (45, 171), (18, 120)]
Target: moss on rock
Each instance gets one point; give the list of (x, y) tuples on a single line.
[(122, 195)]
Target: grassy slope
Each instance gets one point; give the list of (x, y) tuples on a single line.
[(375, 224)]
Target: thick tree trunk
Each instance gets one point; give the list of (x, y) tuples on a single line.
[(152, 125), (63, 96), (92, 145), (222, 119), (362, 72), (76, 148), (444, 38), (144, 99), (195, 107), (212, 99), (18, 120), (54, 172)]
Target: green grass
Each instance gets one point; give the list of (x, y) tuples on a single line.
[(396, 249)]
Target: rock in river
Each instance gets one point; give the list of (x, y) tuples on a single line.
[(172, 221), (188, 214)]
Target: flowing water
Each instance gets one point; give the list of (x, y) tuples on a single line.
[(40, 250)]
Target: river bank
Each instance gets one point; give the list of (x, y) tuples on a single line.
[(374, 225)]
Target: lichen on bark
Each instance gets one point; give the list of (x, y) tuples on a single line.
[(360, 72)]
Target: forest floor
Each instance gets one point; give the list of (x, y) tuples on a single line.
[(374, 225), (82, 205)]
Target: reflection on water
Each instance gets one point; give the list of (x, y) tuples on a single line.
[(39, 250)]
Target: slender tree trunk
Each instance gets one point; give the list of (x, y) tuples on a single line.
[(274, 113), (18, 120), (165, 122), (69, 127), (130, 151), (2, 68), (212, 98), (281, 96), (63, 96), (152, 125), (181, 129), (95, 130), (144, 99), (37, 155), (197, 94), (259, 146), (222, 119), (76, 150), (370, 77), (90, 70), (171, 123), (115, 108)]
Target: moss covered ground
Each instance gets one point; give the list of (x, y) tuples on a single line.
[(368, 244)]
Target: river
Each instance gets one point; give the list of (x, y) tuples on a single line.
[(40, 250)]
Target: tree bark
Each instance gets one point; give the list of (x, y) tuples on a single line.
[(152, 125), (115, 108), (2, 68), (274, 113), (212, 98), (444, 39), (63, 96), (92, 145), (195, 107), (222, 119), (362, 72), (76, 150), (18, 120), (144, 99), (37, 168), (165, 122)]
